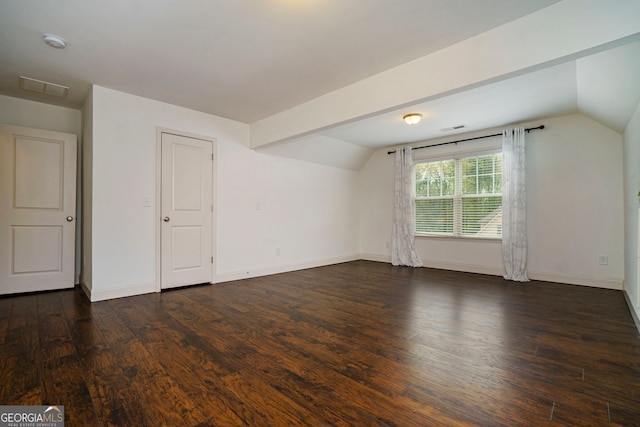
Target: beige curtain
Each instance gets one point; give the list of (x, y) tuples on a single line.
[(514, 205), (403, 251)]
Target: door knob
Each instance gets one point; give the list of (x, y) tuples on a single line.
[(69, 218), (166, 219)]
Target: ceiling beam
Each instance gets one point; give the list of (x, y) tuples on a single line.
[(561, 32)]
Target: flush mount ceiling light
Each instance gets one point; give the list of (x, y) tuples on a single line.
[(54, 41), (412, 119)]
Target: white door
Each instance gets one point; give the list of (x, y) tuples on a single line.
[(37, 209), (187, 211)]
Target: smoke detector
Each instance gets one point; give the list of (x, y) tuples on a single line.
[(54, 41)]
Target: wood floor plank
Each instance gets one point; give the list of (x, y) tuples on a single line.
[(293, 373), (96, 332), (63, 379), (177, 348), (116, 402), (166, 401), (6, 305), (20, 374), (353, 344), (297, 385), (330, 374)]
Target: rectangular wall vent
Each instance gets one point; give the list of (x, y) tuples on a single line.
[(43, 87)]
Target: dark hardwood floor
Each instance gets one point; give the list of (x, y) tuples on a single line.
[(354, 344)]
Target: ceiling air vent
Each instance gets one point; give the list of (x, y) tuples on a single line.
[(40, 86), (452, 128)]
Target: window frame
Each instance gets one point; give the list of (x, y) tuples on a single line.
[(457, 197)]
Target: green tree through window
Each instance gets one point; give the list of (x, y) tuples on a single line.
[(459, 197)]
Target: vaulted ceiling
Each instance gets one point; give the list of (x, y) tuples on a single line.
[(604, 86), (243, 60), (248, 61)]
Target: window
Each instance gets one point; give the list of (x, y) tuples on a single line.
[(459, 197)]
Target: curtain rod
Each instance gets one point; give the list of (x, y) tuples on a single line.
[(468, 139)]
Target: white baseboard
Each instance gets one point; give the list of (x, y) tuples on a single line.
[(495, 271), (119, 292), (376, 257), (246, 274), (440, 265), (635, 311), (145, 288), (466, 268), (594, 282)]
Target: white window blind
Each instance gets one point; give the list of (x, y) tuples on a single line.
[(459, 197)]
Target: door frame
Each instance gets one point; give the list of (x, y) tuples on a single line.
[(158, 199)]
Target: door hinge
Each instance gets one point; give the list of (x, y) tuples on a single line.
[(211, 208), (211, 156), (212, 260)]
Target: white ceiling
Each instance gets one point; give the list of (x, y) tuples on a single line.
[(247, 60), (605, 86), (545, 93), (243, 60)]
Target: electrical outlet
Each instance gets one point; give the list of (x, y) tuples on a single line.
[(603, 260), (278, 251), (387, 245)]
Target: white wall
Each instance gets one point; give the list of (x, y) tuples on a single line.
[(21, 112), (631, 189), (309, 211), (575, 207), (575, 203)]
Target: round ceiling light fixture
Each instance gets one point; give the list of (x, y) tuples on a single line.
[(54, 41), (412, 119)]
